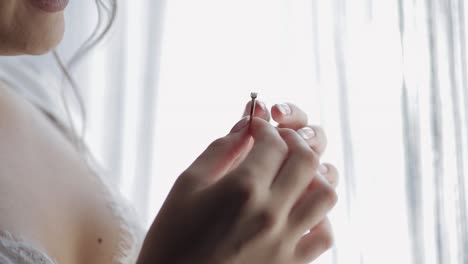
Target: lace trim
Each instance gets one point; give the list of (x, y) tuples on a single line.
[(14, 250), (131, 231)]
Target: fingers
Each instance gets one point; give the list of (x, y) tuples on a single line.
[(289, 116), (266, 156), (313, 207), (242, 155), (315, 137), (261, 110), (218, 158), (297, 171), (315, 243), (330, 173), (300, 192)]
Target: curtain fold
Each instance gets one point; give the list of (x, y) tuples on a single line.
[(411, 116), (433, 100)]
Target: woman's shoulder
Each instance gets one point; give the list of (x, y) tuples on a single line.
[(18, 120), (28, 195), (16, 113), (7, 103), (8, 133)]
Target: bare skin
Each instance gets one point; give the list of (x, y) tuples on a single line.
[(249, 197), (255, 208), (47, 194), (72, 236), (27, 30)]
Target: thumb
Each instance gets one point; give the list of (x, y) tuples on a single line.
[(219, 157)]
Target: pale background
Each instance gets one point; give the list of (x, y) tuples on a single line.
[(386, 80)]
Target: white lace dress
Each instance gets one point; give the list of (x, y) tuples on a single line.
[(28, 78)]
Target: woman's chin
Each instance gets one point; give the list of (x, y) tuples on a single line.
[(31, 47), (33, 44), (40, 42), (30, 31), (43, 47)]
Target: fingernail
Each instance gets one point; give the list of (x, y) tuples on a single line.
[(258, 104), (284, 109), (241, 124), (306, 132), (323, 169), (262, 105)]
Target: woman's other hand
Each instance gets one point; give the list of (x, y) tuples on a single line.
[(288, 115), (255, 212)]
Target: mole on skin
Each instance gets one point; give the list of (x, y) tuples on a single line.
[(99, 240)]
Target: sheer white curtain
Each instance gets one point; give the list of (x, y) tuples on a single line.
[(118, 81), (386, 80)]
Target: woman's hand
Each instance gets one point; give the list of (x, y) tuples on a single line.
[(288, 115), (254, 212)]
